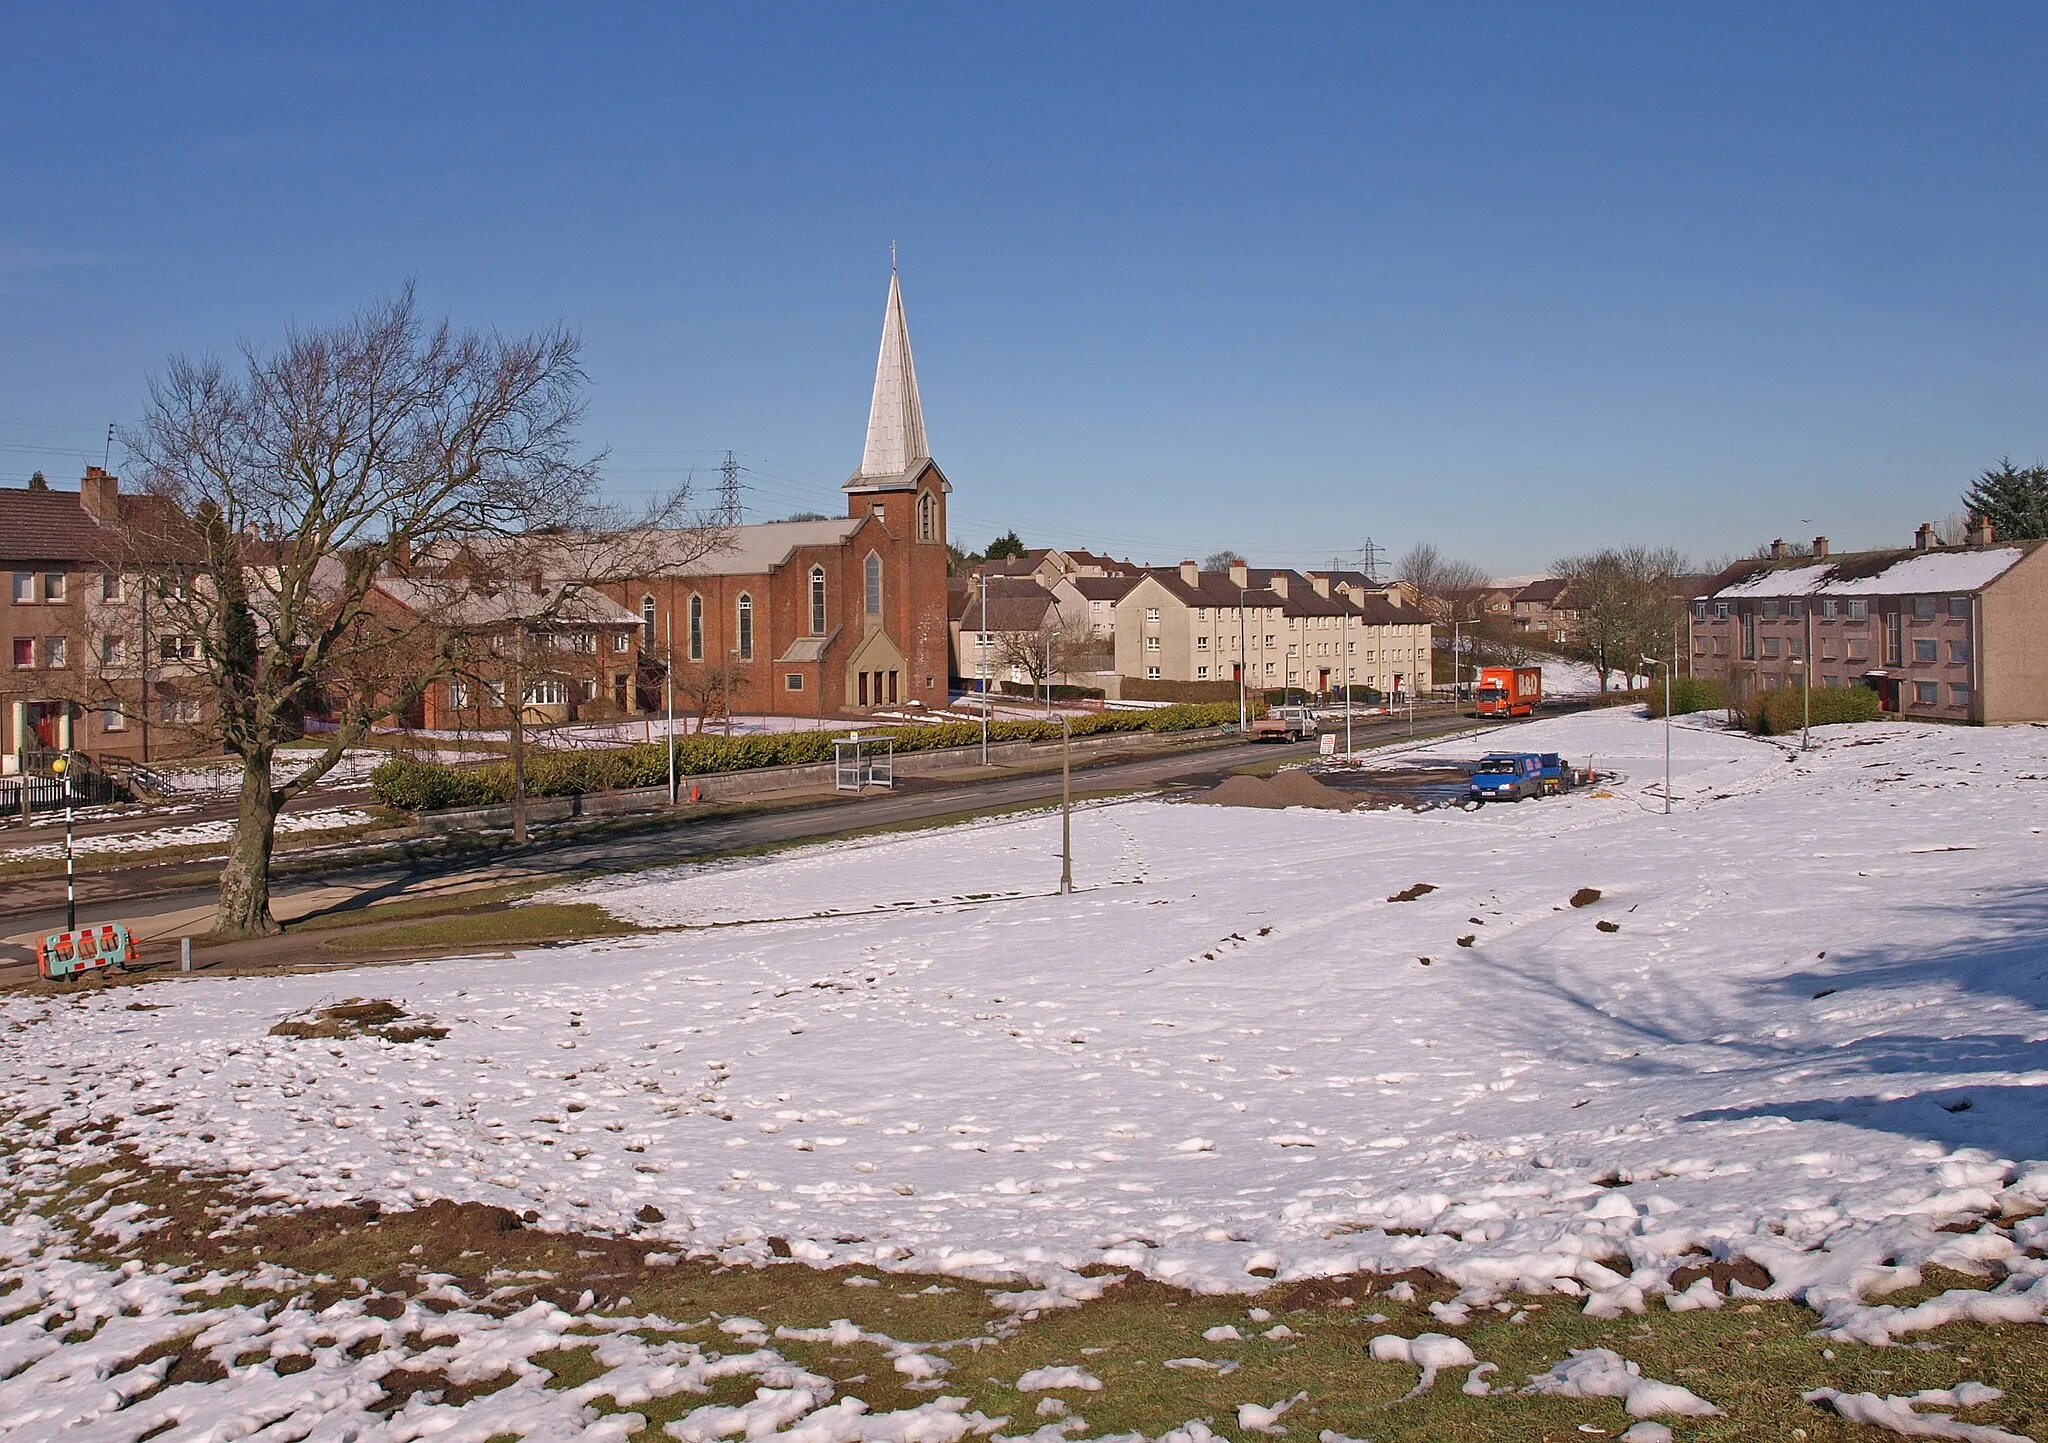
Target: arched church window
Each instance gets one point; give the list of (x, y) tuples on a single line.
[(696, 628), (872, 576), (817, 601), (647, 623), (927, 517), (745, 629)]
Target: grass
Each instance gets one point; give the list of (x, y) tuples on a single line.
[(1754, 1359), (492, 925)]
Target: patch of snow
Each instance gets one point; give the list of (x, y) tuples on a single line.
[(1898, 1415), (1604, 1373)]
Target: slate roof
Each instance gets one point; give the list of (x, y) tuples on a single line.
[(1215, 588), (38, 526), (1547, 592), (1904, 572), (1101, 588)]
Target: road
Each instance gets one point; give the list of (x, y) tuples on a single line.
[(186, 910)]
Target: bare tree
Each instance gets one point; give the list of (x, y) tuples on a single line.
[(1629, 604), (1443, 584), (1222, 560), (708, 691), (300, 477), (1053, 650)]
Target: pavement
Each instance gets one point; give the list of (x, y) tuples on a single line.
[(162, 905)]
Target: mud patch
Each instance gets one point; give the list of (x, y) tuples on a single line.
[(358, 1017)]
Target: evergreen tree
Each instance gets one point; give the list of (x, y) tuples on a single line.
[(1006, 547), (2014, 501)]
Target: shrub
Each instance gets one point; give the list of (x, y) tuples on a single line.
[(417, 786), (1780, 713), (1688, 694)]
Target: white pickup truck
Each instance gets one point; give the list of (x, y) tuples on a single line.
[(1284, 724)]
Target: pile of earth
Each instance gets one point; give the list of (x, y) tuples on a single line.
[(1288, 789)]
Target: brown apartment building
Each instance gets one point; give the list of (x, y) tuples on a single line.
[(1942, 633), (79, 629)]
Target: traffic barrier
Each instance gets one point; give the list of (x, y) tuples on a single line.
[(64, 956)]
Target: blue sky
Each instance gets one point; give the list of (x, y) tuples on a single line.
[(1515, 280)]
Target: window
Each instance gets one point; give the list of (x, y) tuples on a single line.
[(549, 691), (177, 648), (590, 688), (1151, 643), (927, 517), (1201, 643), (696, 627), (112, 719), (1269, 668), (53, 651), (1859, 611), (110, 586), (1201, 673), (178, 711), (1923, 608), (1927, 693), (1768, 610), (53, 586), (817, 601), (1794, 610), (1720, 611), (1152, 673), (647, 623), (622, 641), (1796, 645), (1152, 613), (1770, 682), (792, 681), (1269, 638), (1925, 649), (1959, 608), (458, 695), (110, 650), (583, 641), (24, 651), (1699, 609), (1827, 610), (746, 624), (24, 587), (1959, 652), (1858, 650), (1201, 613), (1958, 694), (871, 585)]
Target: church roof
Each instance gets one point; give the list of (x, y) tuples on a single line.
[(896, 454)]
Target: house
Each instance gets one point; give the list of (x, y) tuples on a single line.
[(1021, 616), (822, 618), (1276, 628), (1546, 609), (1942, 633), (80, 624), (1091, 600), (574, 653)]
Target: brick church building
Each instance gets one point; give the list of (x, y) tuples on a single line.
[(824, 618)]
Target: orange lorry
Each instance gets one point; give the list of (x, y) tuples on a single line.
[(1508, 691)]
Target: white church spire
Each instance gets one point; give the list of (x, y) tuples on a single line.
[(896, 444)]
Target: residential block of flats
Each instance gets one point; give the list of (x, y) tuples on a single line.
[(1275, 628), (1942, 633)]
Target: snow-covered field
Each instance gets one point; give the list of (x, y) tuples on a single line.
[(1805, 1022)]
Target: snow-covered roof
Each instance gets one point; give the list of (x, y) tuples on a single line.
[(1904, 573)]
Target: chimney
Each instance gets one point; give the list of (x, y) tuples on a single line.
[(1320, 580), (533, 580), (96, 494), (1980, 531), (1277, 584), (1820, 546), (1923, 539), (1191, 573), (1778, 549), (1239, 574)]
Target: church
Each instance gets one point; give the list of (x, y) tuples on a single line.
[(823, 618)]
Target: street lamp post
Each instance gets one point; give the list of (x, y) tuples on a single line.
[(1243, 661), (982, 667), (1653, 661), (61, 766), (1347, 683)]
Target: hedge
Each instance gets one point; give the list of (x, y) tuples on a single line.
[(1781, 713), (417, 786), (1689, 694)]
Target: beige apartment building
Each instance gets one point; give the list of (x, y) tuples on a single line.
[(1941, 633), (1279, 629)]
